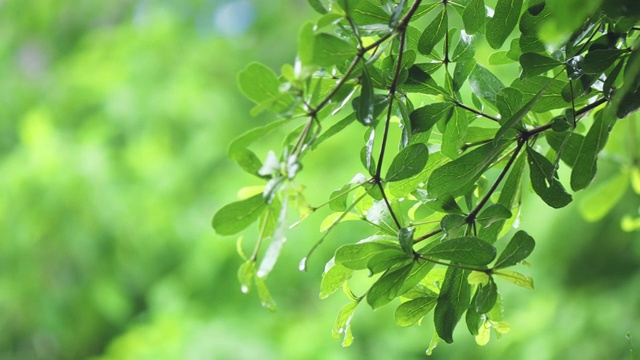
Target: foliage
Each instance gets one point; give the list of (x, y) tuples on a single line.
[(447, 143)]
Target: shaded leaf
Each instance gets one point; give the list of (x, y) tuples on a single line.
[(457, 177), (387, 287), (505, 18), (454, 134), (424, 118), (536, 64), (585, 167), (474, 16), (551, 99), (433, 33), (408, 162), (597, 61), (518, 248), (544, 180), (493, 213), (517, 117), (484, 83), (486, 297), (452, 302), (466, 250)]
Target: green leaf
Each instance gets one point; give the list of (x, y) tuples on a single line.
[(484, 83), (260, 84), (356, 256), (329, 50), (277, 241), (602, 198), (458, 177), (504, 20), (508, 101), (493, 213), (333, 278), (412, 311), (566, 145), (424, 118), (452, 302), (500, 58), (510, 191), (410, 161), (343, 323), (515, 278), (386, 260), (403, 187), (365, 110), (536, 64), (466, 250), (544, 180), (263, 293), (552, 97), (433, 33), (239, 144), (246, 272), (466, 48), (517, 117), (461, 72), (387, 287), (597, 61), (585, 167), (419, 81), (474, 16), (318, 6), (405, 238), (454, 134), (486, 297), (338, 199), (235, 217), (367, 12), (419, 270), (518, 248), (453, 225), (445, 204)]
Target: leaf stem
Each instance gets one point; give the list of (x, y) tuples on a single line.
[(471, 217), (479, 113)]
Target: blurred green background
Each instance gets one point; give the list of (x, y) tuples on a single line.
[(114, 122)]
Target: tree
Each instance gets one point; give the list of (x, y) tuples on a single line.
[(470, 139)]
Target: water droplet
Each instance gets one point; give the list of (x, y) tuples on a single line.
[(244, 289), (303, 264)]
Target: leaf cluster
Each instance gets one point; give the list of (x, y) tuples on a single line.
[(469, 135)]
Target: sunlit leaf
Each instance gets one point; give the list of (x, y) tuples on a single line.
[(236, 216), (515, 278), (333, 277)]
